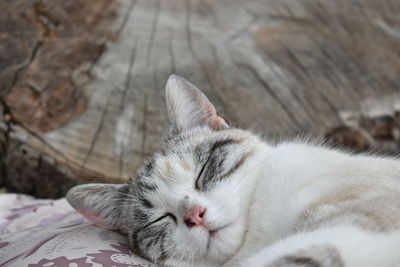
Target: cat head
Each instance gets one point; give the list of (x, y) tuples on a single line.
[(190, 202)]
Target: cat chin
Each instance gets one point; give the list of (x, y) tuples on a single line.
[(212, 249), (216, 248), (224, 243)]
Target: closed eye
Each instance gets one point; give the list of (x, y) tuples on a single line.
[(196, 184), (172, 216), (217, 145)]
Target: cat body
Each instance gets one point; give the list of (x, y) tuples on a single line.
[(217, 195), (320, 205)]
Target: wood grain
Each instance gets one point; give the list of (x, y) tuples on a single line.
[(88, 101)]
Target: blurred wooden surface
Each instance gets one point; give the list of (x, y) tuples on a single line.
[(82, 82)]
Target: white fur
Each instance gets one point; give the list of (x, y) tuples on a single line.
[(278, 201), (356, 247)]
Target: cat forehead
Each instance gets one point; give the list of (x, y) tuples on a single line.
[(182, 153), (201, 136), (169, 167), (162, 168), (185, 152)]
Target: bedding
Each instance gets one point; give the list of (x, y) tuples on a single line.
[(49, 233)]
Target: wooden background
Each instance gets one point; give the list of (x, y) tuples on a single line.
[(82, 82)]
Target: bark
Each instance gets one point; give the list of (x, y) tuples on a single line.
[(82, 82)]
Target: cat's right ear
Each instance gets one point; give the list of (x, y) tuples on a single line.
[(99, 203), (188, 107)]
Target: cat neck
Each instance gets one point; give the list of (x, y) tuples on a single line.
[(276, 200)]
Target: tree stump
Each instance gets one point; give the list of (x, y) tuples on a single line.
[(82, 82)]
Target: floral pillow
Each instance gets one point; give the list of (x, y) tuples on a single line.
[(49, 233)]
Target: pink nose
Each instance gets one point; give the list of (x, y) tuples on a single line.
[(194, 216)]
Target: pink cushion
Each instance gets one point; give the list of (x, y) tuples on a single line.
[(35, 232)]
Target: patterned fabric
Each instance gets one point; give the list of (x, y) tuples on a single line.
[(39, 233)]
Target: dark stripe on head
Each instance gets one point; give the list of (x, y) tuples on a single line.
[(140, 216), (123, 197), (164, 253), (134, 245), (145, 202), (148, 168), (237, 165), (222, 143), (146, 186), (213, 166), (125, 189), (160, 242), (201, 150), (150, 241)]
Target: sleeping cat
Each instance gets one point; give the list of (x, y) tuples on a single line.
[(216, 195)]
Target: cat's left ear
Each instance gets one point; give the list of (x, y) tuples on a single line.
[(99, 203), (188, 107)]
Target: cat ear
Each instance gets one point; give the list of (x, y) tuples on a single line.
[(188, 107), (99, 203)]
